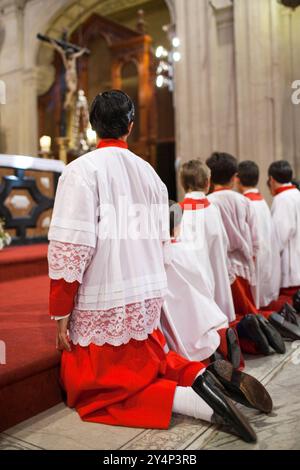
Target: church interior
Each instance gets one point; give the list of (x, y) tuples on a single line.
[(205, 76)]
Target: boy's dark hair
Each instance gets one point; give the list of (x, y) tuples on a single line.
[(111, 114), (194, 175), (248, 173), (223, 167), (175, 212), (281, 171)]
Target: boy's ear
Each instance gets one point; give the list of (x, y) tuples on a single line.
[(272, 185), (237, 183), (207, 185), (130, 128)]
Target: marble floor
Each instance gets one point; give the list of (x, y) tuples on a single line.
[(61, 428)]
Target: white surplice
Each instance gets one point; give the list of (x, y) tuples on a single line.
[(286, 219), (210, 233), (190, 316), (268, 270), (109, 200), (240, 224)]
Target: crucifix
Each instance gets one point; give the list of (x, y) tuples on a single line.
[(69, 53)]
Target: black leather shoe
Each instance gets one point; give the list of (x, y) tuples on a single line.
[(225, 412), (274, 338), (234, 350), (249, 327), (290, 314), (241, 387), (286, 329), (296, 301)]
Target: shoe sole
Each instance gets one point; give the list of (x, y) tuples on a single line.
[(233, 419), (254, 393), (257, 336), (290, 331), (273, 336), (239, 420), (291, 316)]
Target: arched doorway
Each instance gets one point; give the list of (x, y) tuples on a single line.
[(154, 134)]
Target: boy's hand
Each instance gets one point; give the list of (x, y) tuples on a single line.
[(62, 340)]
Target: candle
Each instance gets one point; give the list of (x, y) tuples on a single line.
[(45, 143), (91, 137)]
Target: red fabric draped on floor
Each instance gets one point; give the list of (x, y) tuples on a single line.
[(243, 305), (242, 298), (129, 385), (285, 297), (289, 291)]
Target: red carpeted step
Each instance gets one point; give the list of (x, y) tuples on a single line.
[(23, 261), (29, 379)]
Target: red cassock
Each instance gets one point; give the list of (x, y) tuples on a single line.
[(242, 298), (128, 385)]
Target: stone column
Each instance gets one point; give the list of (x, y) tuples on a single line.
[(30, 144), (192, 95), (205, 93), (22, 20), (205, 79), (290, 69), (233, 85), (258, 82), (11, 63), (222, 80)]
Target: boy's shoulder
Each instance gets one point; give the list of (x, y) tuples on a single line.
[(81, 168), (212, 208), (104, 159), (287, 198), (228, 195)]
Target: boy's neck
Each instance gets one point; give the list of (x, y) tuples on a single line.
[(276, 187), (282, 185), (219, 187), (248, 189), (191, 191)]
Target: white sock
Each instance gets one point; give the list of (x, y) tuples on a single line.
[(187, 402)]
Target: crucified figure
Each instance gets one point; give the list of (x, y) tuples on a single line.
[(69, 58)]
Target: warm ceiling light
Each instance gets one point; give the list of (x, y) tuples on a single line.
[(159, 52), (160, 81), (176, 42), (176, 56)]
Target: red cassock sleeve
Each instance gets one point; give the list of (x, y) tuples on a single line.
[(62, 297)]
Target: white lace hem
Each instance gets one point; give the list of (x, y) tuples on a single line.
[(116, 326), (68, 261)]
